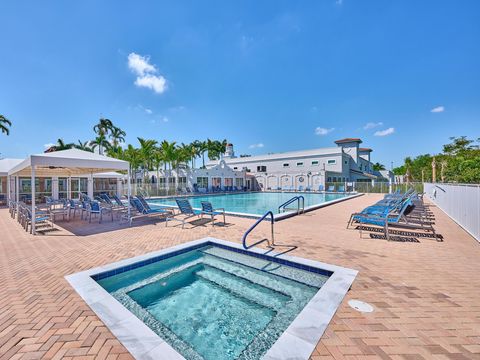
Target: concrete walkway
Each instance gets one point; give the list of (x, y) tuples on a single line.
[(426, 295)]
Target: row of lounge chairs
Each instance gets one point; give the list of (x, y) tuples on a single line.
[(187, 212), (320, 188), (399, 216)]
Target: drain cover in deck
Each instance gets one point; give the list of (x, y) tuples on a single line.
[(360, 306)]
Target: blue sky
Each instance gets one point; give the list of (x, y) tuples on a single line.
[(269, 76)]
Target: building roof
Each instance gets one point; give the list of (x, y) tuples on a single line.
[(347, 140), (68, 162), (7, 164), (282, 155), (365, 149)]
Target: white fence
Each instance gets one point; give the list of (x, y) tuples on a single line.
[(459, 201)]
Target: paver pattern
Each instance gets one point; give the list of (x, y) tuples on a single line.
[(426, 295)]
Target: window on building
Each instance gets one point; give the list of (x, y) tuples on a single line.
[(346, 162), (235, 168), (315, 162), (239, 183), (202, 182), (329, 179), (286, 165), (299, 163), (331, 161), (261, 168)]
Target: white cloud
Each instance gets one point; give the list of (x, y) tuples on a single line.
[(256, 146), (147, 74), (165, 119), (339, 2), (372, 125), (438, 109), (385, 132), (149, 111), (48, 145), (140, 65), (323, 131), (154, 82)]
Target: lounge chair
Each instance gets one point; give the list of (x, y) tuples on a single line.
[(186, 211), (207, 209), (300, 188), (331, 188), (341, 188)]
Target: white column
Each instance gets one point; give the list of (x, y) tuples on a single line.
[(129, 193), (33, 200), (55, 187), (119, 187), (90, 186), (17, 189), (69, 187), (8, 190)]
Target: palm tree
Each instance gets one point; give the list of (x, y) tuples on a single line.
[(157, 161), (202, 149), (117, 136), (147, 150), (83, 146), (102, 129), (5, 124), (377, 166), (132, 155), (101, 142), (60, 145)]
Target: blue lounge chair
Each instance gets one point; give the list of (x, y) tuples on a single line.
[(321, 188), (186, 211), (331, 188), (300, 188), (341, 188), (207, 209), (142, 212)]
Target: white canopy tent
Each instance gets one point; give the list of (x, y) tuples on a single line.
[(65, 163)]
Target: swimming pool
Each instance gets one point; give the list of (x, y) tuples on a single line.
[(211, 299), (255, 204)]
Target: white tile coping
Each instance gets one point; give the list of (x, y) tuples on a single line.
[(277, 217), (297, 342)]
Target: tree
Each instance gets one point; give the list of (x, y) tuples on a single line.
[(101, 142), (5, 125), (117, 136), (83, 146), (459, 162), (60, 145), (377, 166), (102, 129), (132, 155), (147, 149)]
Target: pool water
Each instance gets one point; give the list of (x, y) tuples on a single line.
[(214, 303), (257, 203)]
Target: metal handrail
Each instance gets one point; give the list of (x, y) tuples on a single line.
[(272, 220), (295, 198)]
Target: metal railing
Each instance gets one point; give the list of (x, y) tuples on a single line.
[(272, 221), (300, 204)]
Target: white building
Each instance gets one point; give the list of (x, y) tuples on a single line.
[(347, 162), (217, 176)]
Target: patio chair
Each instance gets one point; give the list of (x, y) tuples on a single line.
[(341, 188), (186, 211), (331, 188), (94, 208), (207, 209), (321, 188)]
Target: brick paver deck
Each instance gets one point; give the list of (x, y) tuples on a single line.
[(426, 295)]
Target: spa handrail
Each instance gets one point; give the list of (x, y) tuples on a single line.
[(272, 221)]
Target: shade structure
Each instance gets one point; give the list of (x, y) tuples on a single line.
[(7, 164), (71, 162), (68, 163)]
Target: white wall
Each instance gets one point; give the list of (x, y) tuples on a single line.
[(460, 202)]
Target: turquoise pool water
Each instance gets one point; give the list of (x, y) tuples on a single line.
[(213, 303), (257, 203)]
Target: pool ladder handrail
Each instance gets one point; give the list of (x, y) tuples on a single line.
[(272, 221), (292, 200)]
